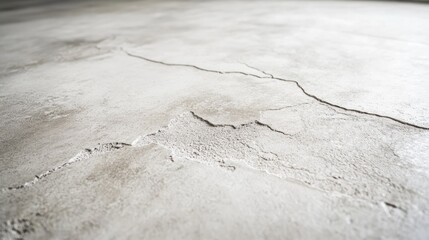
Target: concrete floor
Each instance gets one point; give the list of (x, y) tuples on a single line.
[(214, 120)]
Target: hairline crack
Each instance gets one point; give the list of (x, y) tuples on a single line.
[(271, 76)]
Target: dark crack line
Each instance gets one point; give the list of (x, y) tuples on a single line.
[(388, 204), (256, 122), (269, 127), (350, 109), (270, 76), (210, 123), (190, 66), (259, 70)]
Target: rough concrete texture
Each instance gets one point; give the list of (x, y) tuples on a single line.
[(214, 120)]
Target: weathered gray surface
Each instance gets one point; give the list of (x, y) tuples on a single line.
[(215, 120)]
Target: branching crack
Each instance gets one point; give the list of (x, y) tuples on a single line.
[(259, 70), (189, 66), (268, 157), (271, 76)]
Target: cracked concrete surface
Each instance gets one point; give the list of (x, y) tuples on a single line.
[(214, 120), (279, 79)]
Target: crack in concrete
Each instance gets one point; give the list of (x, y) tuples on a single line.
[(264, 155), (82, 155), (257, 122), (108, 147), (259, 70), (285, 107), (270, 76), (186, 138), (189, 66)]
